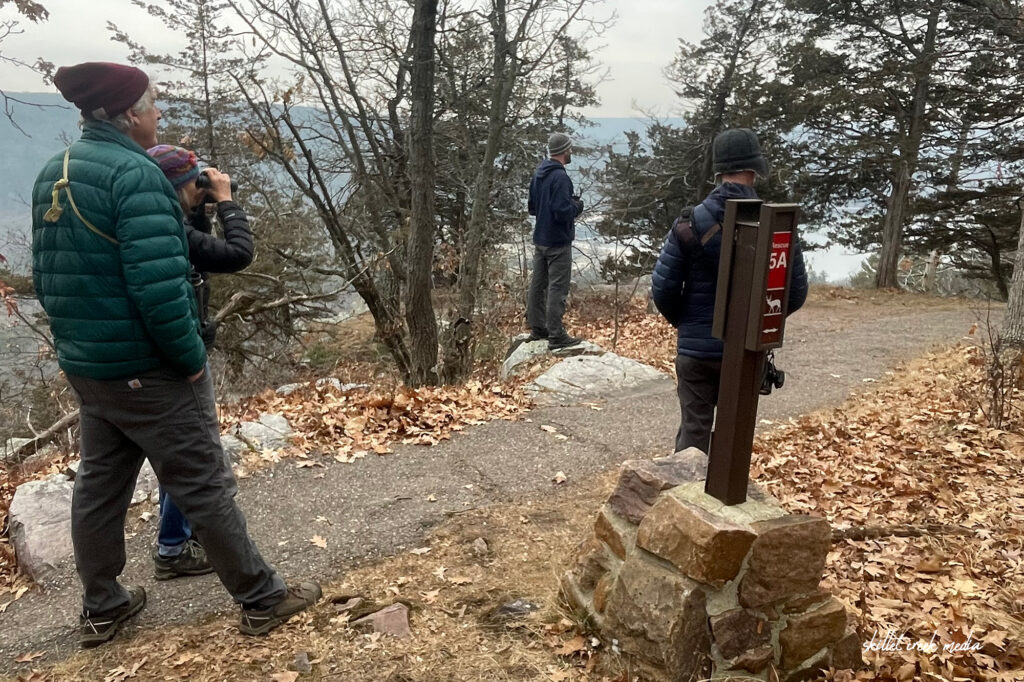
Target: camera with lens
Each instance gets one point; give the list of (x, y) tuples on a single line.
[(203, 182), (772, 377)]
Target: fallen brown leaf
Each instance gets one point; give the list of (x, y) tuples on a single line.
[(29, 657), (288, 676), (572, 646)]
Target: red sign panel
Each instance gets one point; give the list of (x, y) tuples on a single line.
[(778, 268)]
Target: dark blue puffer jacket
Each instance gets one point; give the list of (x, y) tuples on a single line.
[(683, 285), (551, 201)]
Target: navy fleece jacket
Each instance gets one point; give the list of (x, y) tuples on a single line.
[(551, 201)]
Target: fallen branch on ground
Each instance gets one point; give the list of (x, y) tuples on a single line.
[(872, 532), (28, 449)]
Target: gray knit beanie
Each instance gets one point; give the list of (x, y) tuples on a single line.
[(559, 143), (738, 150)]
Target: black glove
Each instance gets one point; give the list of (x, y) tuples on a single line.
[(208, 333), (579, 204)]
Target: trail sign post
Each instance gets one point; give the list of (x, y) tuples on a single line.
[(751, 304)]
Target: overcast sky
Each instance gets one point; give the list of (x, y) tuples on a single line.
[(635, 50)]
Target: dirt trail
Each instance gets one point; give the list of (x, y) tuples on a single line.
[(380, 506)]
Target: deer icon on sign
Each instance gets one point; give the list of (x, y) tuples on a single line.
[(774, 304)]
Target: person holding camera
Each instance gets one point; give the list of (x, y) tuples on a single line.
[(556, 208), (685, 281), (197, 187), (177, 553)]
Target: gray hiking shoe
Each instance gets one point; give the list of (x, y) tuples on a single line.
[(96, 628), (296, 599), (191, 561)]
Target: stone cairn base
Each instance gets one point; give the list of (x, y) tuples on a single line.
[(690, 589)]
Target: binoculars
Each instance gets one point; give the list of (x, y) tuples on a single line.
[(203, 182)]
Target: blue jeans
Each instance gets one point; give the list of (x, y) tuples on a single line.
[(175, 530)]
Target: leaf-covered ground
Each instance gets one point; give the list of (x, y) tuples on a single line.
[(356, 423), (916, 453)]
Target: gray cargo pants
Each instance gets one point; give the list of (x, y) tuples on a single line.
[(159, 416), (549, 287), (697, 388)]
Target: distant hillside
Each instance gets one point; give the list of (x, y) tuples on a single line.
[(42, 134), (613, 130), (45, 130)]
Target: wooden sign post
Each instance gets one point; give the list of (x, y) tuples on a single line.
[(751, 303)]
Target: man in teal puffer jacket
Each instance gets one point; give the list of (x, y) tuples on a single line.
[(110, 267)]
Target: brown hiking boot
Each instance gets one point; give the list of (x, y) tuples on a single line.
[(296, 599), (96, 628)]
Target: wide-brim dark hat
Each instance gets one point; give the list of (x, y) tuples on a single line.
[(738, 150)]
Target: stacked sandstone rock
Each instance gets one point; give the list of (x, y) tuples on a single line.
[(689, 588)]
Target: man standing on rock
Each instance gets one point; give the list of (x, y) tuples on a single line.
[(556, 208), (110, 267), (686, 277)]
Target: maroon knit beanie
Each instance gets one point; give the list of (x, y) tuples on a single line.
[(101, 85), (179, 165)]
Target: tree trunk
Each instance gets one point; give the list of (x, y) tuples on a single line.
[(892, 231), (211, 138), (386, 321), (931, 272), (906, 164), (419, 308), (996, 266), (459, 356), (1013, 323), (706, 180)]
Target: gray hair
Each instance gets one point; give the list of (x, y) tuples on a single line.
[(121, 121), (183, 200)]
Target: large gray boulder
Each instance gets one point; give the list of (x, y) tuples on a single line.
[(525, 353), (10, 447), (271, 432), (325, 382), (40, 525), (591, 376), (234, 447)]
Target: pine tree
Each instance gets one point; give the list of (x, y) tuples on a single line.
[(901, 98), (728, 80), (197, 91)]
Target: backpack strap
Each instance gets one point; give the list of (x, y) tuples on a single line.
[(55, 211), (683, 229), (715, 229)]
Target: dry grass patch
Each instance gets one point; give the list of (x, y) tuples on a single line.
[(452, 589)]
